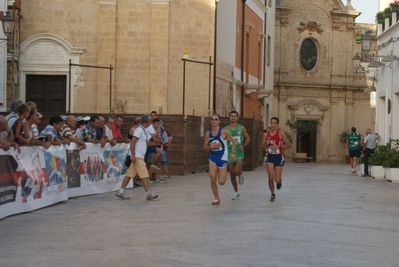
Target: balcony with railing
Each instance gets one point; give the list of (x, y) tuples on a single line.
[(388, 17)]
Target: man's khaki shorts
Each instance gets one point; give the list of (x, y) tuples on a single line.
[(139, 167)]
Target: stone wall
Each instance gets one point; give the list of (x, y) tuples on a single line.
[(142, 40)]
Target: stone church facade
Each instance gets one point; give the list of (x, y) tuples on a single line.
[(314, 74)]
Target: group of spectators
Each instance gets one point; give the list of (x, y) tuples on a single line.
[(20, 128)]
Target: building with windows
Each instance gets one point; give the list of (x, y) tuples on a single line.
[(315, 77), (245, 57), (122, 56), (385, 67)]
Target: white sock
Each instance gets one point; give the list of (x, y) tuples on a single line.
[(148, 193), (121, 190)]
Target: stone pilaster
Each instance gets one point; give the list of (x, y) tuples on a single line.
[(159, 60), (106, 34)]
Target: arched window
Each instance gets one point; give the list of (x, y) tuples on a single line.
[(308, 54)]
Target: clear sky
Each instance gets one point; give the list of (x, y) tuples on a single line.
[(368, 8)]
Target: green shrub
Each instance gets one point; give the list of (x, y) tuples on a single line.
[(392, 155), (379, 155)]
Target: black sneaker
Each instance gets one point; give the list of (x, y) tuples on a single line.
[(272, 197), (278, 186)]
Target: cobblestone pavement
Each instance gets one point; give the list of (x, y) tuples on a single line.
[(323, 216)]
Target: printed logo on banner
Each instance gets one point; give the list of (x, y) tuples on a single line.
[(92, 166), (55, 168), (114, 160), (32, 177), (73, 168), (8, 180)]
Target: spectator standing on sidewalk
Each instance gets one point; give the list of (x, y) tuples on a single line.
[(103, 132), (369, 145), (18, 127), (35, 130), (52, 129), (352, 147), (12, 116), (116, 130), (6, 136), (165, 156), (28, 129), (89, 133), (68, 132)]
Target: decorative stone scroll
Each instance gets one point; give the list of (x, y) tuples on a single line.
[(308, 109), (311, 26)]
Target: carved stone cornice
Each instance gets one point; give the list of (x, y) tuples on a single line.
[(261, 35), (311, 26), (336, 25), (249, 26), (284, 21), (282, 15)]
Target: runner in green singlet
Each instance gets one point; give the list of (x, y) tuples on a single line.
[(239, 133)]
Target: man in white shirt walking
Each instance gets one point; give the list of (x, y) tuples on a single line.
[(369, 145), (138, 148)]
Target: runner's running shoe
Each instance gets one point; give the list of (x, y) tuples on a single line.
[(236, 196), (122, 195), (241, 179)]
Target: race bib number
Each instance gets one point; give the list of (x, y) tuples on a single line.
[(238, 140), (216, 142), (273, 151), (270, 150)]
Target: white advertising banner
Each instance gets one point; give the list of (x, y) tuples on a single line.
[(36, 178)]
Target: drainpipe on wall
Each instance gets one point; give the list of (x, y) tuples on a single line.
[(242, 56)]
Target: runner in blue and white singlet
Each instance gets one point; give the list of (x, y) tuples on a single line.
[(219, 155), (215, 142)]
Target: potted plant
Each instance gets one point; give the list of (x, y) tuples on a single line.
[(380, 17), (342, 139), (375, 161), (391, 162), (302, 127), (388, 12), (394, 5)]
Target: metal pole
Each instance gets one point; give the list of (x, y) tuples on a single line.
[(110, 88), (242, 56), (184, 83), (184, 78), (70, 73), (214, 58), (209, 90)]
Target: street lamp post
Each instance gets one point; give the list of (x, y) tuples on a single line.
[(8, 26)]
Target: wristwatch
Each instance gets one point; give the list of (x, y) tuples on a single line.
[(232, 152)]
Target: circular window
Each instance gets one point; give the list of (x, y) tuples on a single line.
[(308, 54)]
